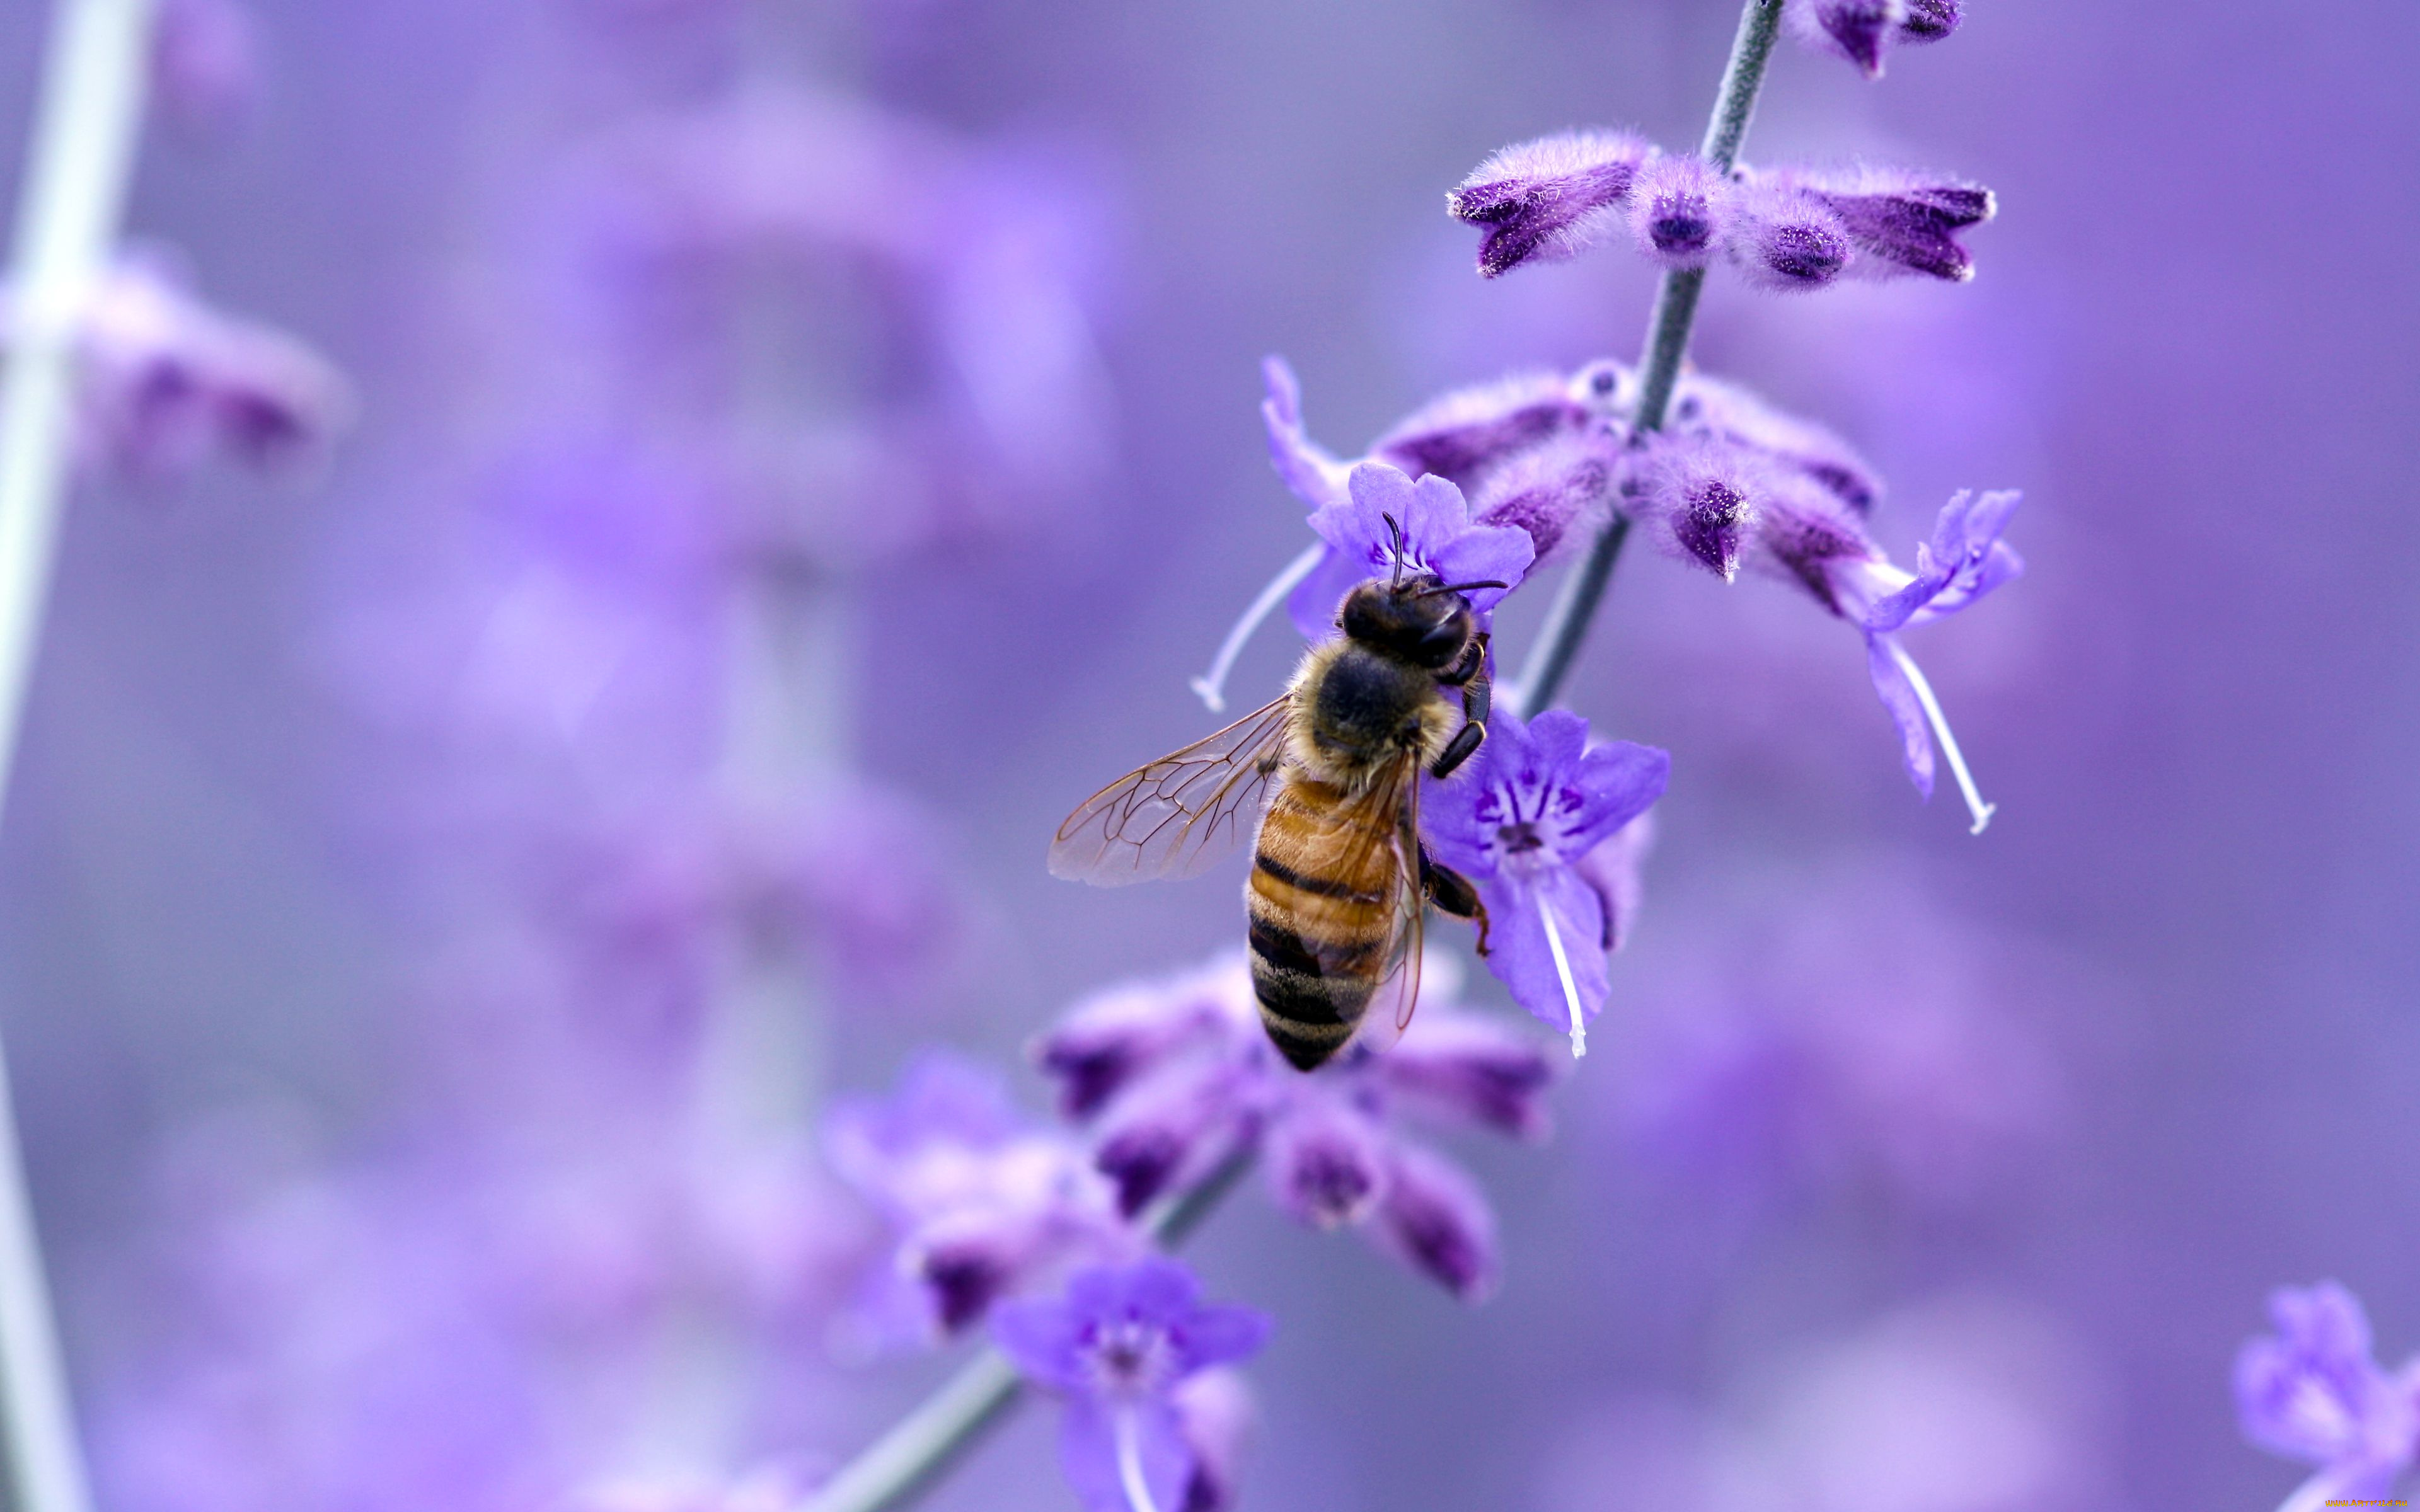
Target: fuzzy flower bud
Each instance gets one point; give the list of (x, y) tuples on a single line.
[(1701, 499), (1548, 199), (1676, 207), (1327, 1163), (1902, 221), (1863, 31), (1783, 237), (1434, 1219), (1458, 433), (1558, 493)]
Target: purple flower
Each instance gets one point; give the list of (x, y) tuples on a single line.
[(1433, 533), (1781, 238), (2314, 1392), (164, 382), (982, 1203), (1677, 210), (1517, 821), (1548, 199), (1118, 1347), (1810, 539), (1901, 219), (1863, 31), (1195, 1080)]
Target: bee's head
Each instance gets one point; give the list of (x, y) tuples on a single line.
[(1418, 619)]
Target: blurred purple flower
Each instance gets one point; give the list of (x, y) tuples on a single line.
[(2314, 1392), (1678, 208), (984, 1204), (1873, 1047), (205, 62), (1864, 31), (1558, 493), (1175, 1076), (1433, 534), (164, 382), (1699, 499), (1534, 802), (1117, 1347), (1548, 199)]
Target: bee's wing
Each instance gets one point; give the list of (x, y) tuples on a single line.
[(1175, 816), (1403, 983)]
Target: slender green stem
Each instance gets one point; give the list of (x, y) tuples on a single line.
[(928, 1441), (79, 163), (1659, 368)]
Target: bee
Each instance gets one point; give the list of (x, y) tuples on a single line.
[(1330, 770)]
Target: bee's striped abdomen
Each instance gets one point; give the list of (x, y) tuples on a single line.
[(1323, 905)]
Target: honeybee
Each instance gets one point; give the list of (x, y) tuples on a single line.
[(1338, 879)]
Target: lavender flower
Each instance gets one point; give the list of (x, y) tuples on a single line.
[(1463, 433), (982, 1203), (1548, 199), (1863, 31), (1901, 219), (1558, 493), (1810, 539), (1433, 533), (1781, 238), (2315, 1391), (1678, 208), (1173, 1076), (1533, 804), (165, 382), (1118, 1347)]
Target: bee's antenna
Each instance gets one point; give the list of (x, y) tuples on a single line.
[(1395, 539), (1459, 588)]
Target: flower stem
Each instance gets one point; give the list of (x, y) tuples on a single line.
[(76, 174), (905, 1460), (1667, 343)]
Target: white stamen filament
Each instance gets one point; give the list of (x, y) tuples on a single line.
[(1212, 686), (1563, 970), (1940, 722), (1130, 1465)]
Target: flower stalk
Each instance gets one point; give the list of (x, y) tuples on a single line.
[(77, 172), (1667, 343), (904, 1462)]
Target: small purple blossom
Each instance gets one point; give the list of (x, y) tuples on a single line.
[(1678, 207), (1548, 199), (1532, 804), (1119, 1346), (1464, 432), (1902, 221), (1786, 239), (164, 382), (1699, 498), (1864, 31), (982, 1203), (1810, 539), (1334, 1147), (2314, 1392), (1433, 533)]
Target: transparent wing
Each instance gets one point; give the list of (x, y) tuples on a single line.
[(1177, 815), (1403, 984)]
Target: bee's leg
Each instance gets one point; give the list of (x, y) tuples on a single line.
[(1477, 700), (1454, 895)]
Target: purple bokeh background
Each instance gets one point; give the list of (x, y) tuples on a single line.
[(2178, 1050)]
